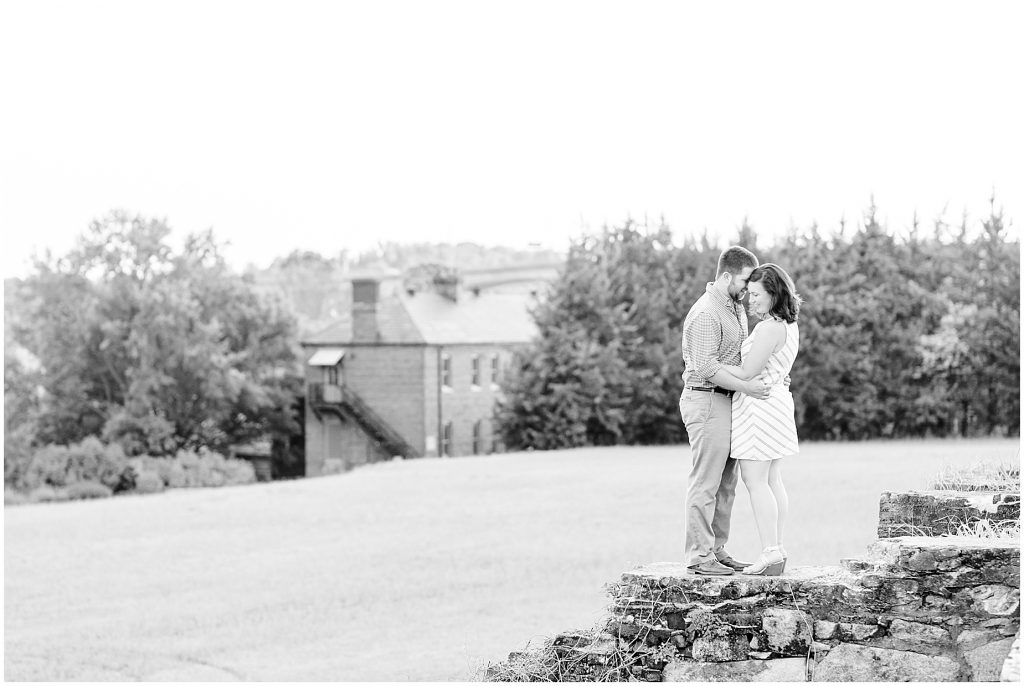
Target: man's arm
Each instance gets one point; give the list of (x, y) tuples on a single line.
[(755, 388), (703, 338)]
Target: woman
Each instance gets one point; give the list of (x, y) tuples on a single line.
[(764, 431)]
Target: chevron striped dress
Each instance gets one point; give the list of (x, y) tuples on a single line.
[(766, 429)]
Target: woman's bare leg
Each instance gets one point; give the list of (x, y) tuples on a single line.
[(781, 497), (762, 500)]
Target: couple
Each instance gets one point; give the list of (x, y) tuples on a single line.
[(738, 410)]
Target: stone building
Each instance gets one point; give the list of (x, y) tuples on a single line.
[(413, 370)]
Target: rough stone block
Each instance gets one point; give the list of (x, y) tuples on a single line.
[(918, 637), (788, 631), (849, 662), (996, 600), (858, 632), (720, 648), (788, 669), (969, 639), (986, 661), (1011, 668), (824, 629)]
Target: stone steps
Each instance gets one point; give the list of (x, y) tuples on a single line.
[(912, 608)]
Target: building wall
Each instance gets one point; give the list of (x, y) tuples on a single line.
[(390, 379), (463, 404), (431, 439), (402, 384)]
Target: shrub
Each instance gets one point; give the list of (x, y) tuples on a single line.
[(12, 497), (175, 475), (84, 490), (17, 454), (195, 469), (149, 482), (48, 494), (48, 467), (90, 460), (149, 434), (127, 480), (238, 472)]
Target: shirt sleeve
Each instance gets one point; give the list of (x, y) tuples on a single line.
[(703, 338)]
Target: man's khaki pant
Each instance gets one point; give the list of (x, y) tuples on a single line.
[(711, 487)]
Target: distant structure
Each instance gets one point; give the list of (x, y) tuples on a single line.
[(413, 369)]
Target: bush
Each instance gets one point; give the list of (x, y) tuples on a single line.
[(127, 481), (195, 469), (48, 494), (140, 435), (84, 490), (47, 467), (17, 454), (149, 482), (238, 472), (90, 460), (12, 497)]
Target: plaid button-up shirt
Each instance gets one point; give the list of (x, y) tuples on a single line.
[(713, 331)]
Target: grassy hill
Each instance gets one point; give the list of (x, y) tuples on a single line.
[(418, 570)]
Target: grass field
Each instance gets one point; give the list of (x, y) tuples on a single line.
[(418, 570)]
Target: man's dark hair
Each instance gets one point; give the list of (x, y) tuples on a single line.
[(735, 259), (777, 283)]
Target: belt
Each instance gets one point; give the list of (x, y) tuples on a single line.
[(713, 389)]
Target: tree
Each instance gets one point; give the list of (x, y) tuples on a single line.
[(154, 349), (605, 368)]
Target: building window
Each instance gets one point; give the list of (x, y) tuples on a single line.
[(332, 375), (446, 440), (477, 437), (476, 372), (494, 371), (446, 371)]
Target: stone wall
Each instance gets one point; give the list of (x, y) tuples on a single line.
[(911, 609), (936, 513)]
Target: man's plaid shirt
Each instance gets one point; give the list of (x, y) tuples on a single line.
[(712, 333)]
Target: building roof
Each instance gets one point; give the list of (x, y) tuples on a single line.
[(431, 318)]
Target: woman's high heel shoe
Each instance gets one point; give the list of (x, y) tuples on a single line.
[(785, 558), (770, 563)]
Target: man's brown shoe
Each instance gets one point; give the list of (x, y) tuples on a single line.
[(710, 568), (730, 562)]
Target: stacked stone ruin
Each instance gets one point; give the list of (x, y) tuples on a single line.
[(913, 608)]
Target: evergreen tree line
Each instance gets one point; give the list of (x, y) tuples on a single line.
[(901, 336)]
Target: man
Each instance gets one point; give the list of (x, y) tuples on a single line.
[(712, 333)]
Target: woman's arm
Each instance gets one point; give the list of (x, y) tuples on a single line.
[(771, 335)]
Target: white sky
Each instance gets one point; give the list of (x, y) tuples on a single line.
[(331, 125)]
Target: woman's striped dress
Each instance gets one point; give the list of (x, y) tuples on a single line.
[(766, 429)]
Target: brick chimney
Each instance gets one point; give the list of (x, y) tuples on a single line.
[(365, 292), (448, 285)]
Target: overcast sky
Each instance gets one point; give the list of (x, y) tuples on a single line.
[(334, 125)]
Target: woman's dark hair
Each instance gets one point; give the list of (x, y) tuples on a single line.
[(776, 282)]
